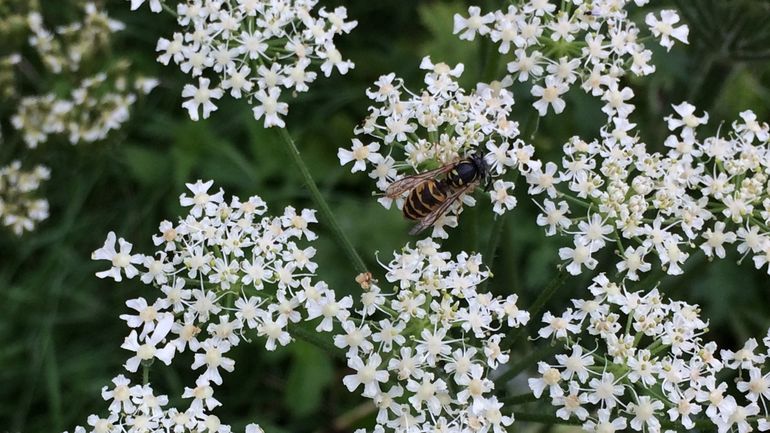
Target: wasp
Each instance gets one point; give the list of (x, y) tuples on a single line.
[(431, 193)]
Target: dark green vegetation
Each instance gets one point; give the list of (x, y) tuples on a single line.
[(59, 327)]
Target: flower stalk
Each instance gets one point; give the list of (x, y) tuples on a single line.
[(320, 202)]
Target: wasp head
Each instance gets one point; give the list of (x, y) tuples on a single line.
[(483, 169)]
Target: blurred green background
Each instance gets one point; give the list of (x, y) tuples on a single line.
[(59, 327)]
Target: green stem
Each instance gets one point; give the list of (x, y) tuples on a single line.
[(494, 239), (490, 61), (575, 200), (145, 373), (306, 332), (358, 263), (168, 9), (545, 295)]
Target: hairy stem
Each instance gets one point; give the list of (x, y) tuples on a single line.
[(306, 332), (326, 212)]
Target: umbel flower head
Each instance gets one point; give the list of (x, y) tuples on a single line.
[(704, 193), (407, 132), (635, 361), (138, 408), (87, 99), (423, 350), (225, 273), (632, 361), (227, 269), (20, 207), (255, 50), (557, 45)]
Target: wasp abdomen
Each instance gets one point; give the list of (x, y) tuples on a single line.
[(424, 198)]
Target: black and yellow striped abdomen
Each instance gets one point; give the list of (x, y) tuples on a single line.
[(424, 198)]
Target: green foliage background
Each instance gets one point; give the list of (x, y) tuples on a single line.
[(59, 330)]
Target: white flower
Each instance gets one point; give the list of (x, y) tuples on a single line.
[(605, 423), (688, 119), (716, 239), (366, 375), (606, 390), (757, 386), (201, 201), (171, 49), (500, 198), (213, 358), (664, 28), (333, 59), (580, 256), (633, 262), (148, 349), (254, 428), (616, 101), (122, 261), (201, 97), (745, 357), (575, 364), (155, 5), (571, 404), (355, 338), (559, 327), (425, 391), (147, 315), (644, 413), (475, 23), (270, 107), (550, 95), (735, 416), (121, 395), (553, 217), (549, 378), (202, 395), (359, 153)]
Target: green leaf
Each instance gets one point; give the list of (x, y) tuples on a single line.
[(147, 166)]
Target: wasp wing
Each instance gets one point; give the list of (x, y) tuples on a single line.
[(410, 182), (431, 218)]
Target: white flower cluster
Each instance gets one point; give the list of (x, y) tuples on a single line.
[(633, 361), (252, 49), (66, 48), (225, 273), (98, 105), (586, 43), (704, 193), (753, 382), (93, 104), (438, 125), (424, 351), (20, 208), (136, 408)]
